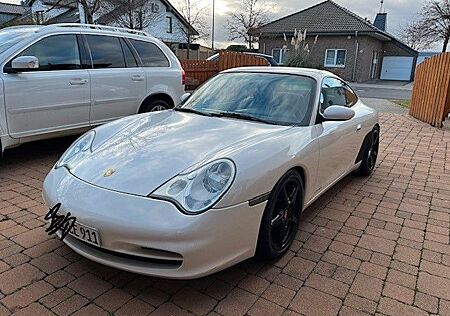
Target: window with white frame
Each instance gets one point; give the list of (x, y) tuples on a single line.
[(335, 58), (280, 55)]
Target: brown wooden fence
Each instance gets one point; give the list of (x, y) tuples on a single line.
[(198, 71), (430, 101)]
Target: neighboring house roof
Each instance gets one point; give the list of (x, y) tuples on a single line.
[(9, 8), (70, 16), (326, 18), (109, 17)]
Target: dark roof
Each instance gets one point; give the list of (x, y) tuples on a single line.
[(12, 8), (108, 17), (327, 18), (56, 3), (324, 17)]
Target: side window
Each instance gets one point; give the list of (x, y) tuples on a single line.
[(336, 92), (59, 52), (106, 51), (150, 54), (129, 58)]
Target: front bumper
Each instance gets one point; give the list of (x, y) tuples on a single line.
[(153, 237)]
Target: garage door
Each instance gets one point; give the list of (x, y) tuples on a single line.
[(396, 68)]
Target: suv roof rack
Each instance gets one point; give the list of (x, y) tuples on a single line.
[(100, 27)]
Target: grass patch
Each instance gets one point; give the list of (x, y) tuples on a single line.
[(402, 103)]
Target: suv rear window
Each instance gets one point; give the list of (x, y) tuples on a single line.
[(150, 54), (106, 51)]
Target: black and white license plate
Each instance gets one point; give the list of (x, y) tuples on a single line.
[(85, 233)]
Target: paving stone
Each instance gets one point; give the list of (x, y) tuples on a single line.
[(309, 301)]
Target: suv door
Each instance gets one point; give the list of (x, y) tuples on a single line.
[(54, 97), (118, 83), (338, 146)]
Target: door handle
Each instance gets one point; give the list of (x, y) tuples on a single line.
[(358, 127), (78, 82), (137, 78)]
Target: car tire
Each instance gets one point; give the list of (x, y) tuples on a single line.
[(281, 217), (155, 105), (369, 158)]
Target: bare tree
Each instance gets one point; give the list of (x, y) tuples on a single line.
[(431, 25), (132, 14), (195, 14), (250, 15), (413, 34)]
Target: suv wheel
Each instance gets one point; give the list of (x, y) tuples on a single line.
[(155, 105)]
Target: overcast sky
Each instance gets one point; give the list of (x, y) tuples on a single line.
[(399, 12)]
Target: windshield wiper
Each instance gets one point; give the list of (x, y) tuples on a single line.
[(190, 110), (242, 117)]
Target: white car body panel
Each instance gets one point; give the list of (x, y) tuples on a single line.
[(58, 108), (148, 150)]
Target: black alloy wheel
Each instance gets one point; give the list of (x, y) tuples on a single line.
[(281, 217)]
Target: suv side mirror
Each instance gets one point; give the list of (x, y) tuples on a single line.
[(184, 97), (338, 113), (23, 64)]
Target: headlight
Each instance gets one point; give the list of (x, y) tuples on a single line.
[(199, 190), (77, 151)]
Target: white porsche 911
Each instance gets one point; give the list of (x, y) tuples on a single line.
[(225, 175)]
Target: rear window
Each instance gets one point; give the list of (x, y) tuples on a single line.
[(106, 51), (150, 54)]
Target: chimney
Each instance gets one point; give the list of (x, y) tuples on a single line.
[(381, 18), (381, 21)]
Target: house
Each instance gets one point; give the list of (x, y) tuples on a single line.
[(10, 11), (347, 44), (164, 20)]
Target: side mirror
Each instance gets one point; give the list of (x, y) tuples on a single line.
[(338, 113), (184, 97), (23, 63)]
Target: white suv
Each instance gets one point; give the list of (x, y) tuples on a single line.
[(61, 79)]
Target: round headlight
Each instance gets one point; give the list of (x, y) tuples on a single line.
[(199, 190)]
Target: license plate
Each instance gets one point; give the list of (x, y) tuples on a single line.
[(85, 233)]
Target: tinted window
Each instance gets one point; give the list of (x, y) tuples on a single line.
[(106, 51), (129, 58), (336, 92), (150, 54), (276, 98), (59, 52)]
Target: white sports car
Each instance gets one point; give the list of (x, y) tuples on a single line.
[(223, 176)]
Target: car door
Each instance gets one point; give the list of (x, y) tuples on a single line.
[(338, 140), (118, 83), (54, 97)]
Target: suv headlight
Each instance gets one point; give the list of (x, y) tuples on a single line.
[(197, 191), (77, 151)]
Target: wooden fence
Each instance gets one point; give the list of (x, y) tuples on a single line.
[(198, 71), (430, 101)]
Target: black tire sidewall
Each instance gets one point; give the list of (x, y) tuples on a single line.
[(265, 248), (151, 105)]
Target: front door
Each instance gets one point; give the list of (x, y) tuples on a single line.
[(52, 98), (118, 83), (338, 139)]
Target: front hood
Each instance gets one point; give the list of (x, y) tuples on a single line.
[(158, 146)]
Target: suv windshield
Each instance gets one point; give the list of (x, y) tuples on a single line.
[(280, 99), (10, 37)]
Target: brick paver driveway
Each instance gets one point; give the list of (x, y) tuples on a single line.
[(378, 244)]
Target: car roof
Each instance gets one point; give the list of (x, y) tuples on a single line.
[(315, 73), (85, 29)]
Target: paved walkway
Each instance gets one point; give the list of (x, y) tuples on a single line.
[(370, 245), (384, 106)]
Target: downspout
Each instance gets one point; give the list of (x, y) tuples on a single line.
[(356, 56)]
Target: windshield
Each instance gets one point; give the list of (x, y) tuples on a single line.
[(11, 37), (273, 98)]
